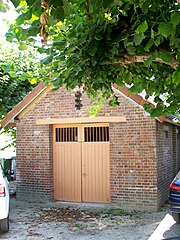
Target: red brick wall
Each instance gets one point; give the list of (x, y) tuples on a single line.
[(168, 158), (34, 160), (133, 162), (178, 148), (132, 151)]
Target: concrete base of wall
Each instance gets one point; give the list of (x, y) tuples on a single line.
[(137, 206), (32, 198), (128, 206)]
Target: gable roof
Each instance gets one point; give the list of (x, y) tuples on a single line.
[(9, 120), (10, 117)]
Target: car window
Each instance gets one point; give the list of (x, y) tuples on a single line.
[(177, 176), (1, 170)]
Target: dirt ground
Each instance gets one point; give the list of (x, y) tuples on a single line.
[(31, 221)]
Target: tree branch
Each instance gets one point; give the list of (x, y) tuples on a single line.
[(87, 9), (127, 60)]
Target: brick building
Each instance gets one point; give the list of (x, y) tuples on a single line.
[(122, 156)]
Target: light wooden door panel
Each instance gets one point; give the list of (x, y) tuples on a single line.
[(67, 172), (95, 172), (81, 163)]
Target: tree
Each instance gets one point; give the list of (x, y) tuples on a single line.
[(95, 44), (19, 73)]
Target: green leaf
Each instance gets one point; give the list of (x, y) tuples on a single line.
[(6, 67), (157, 41), (166, 56), (18, 32), (12, 74), (148, 62), (36, 6), (176, 91), (58, 13), (25, 16), (30, 2), (177, 42), (149, 45), (94, 110), (152, 33), (166, 29), (57, 82), (119, 82), (145, 6), (3, 7), (128, 77), (78, 69), (24, 76), (131, 49), (47, 59), (32, 31), (23, 46), (16, 2), (125, 42), (94, 61), (155, 112), (176, 76), (93, 50), (142, 27), (60, 43), (56, 3), (138, 38), (178, 56), (107, 3), (175, 18), (137, 88), (114, 102)]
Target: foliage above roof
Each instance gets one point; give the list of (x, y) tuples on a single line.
[(97, 43), (18, 75)]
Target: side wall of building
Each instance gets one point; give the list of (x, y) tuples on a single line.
[(168, 157), (133, 160), (133, 175)]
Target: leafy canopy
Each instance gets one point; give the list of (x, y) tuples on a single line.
[(95, 44), (19, 73)]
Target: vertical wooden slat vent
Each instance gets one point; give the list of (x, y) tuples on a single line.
[(96, 134), (67, 134)]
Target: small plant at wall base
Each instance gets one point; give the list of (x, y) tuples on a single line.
[(99, 43)]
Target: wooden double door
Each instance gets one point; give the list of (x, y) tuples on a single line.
[(81, 163)]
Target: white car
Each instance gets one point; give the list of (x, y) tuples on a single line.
[(4, 202)]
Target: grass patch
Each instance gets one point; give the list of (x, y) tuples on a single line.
[(113, 212)]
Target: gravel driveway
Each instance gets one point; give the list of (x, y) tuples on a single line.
[(30, 221)]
